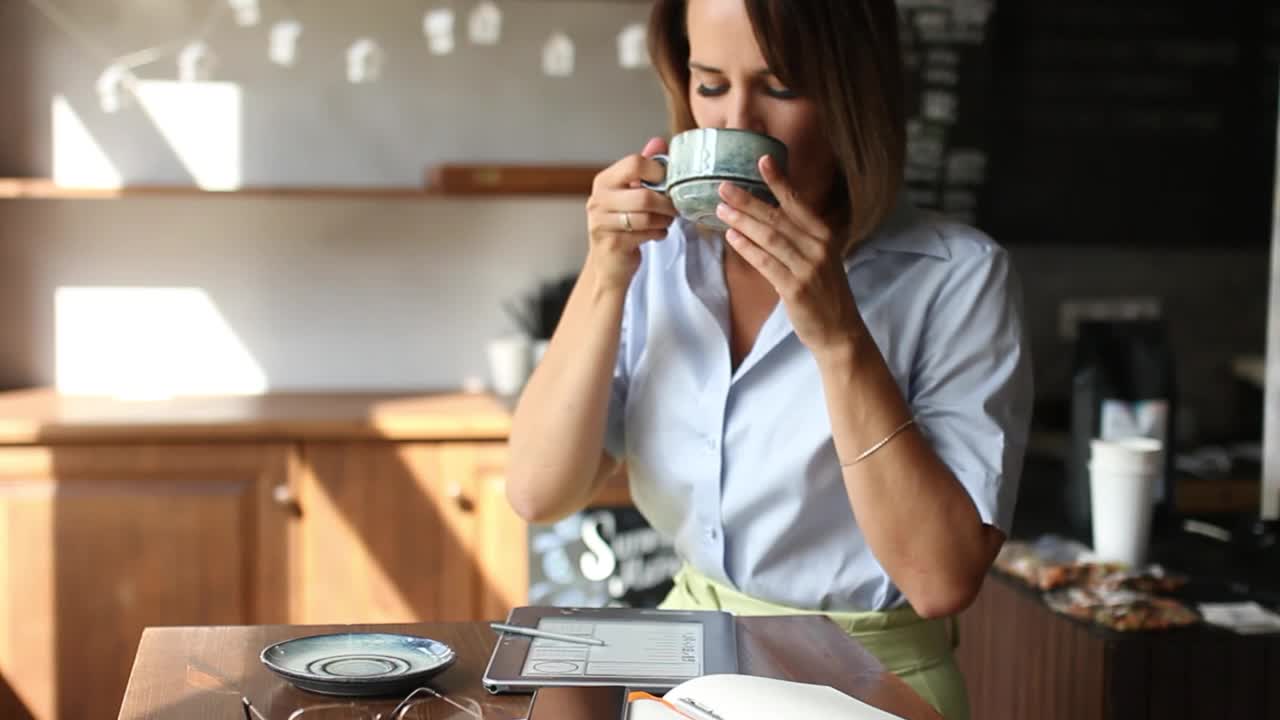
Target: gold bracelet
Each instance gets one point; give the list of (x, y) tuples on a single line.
[(868, 452)]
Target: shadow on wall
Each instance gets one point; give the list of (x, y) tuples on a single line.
[(254, 121), (11, 706)]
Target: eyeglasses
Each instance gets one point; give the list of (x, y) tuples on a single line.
[(417, 705)]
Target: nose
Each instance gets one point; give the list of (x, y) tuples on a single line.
[(742, 113)]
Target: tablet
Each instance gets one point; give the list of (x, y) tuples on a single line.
[(651, 650), (602, 702)]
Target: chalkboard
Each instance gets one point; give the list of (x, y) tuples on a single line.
[(947, 54), (1132, 122), (600, 557)]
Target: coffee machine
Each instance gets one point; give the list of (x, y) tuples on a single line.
[(1123, 385)]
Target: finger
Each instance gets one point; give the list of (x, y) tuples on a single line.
[(789, 200), (766, 237), (612, 213), (627, 172), (655, 146), (770, 267), (625, 221), (772, 216), (636, 200)]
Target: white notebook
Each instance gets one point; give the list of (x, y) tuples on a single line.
[(744, 697)]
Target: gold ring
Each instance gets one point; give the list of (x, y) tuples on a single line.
[(626, 220)]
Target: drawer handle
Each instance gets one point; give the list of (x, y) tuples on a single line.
[(284, 497), (460, 498)]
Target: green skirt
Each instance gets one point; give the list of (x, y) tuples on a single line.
[(914, 649)]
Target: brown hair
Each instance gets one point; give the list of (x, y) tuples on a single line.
[(845, 56)]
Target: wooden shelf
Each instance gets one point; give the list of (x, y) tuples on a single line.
[(449, 180), (43, 415), (15, 188)]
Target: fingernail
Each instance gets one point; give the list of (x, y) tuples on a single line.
[(724, 211)]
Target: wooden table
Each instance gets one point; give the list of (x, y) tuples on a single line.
[(201, 672)]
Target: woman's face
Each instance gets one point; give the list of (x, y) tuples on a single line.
[(732, 87)]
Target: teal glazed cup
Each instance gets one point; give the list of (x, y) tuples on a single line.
[(699, 160)]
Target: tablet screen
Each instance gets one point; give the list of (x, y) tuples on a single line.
[(667, 650)]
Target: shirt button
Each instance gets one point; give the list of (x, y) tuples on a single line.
[(712, 533), (713, 443)]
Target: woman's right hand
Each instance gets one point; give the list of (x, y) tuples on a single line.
[(621, 214)]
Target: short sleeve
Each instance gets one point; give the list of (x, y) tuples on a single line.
[(971, 389)]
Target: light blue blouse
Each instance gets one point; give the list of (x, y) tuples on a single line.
[(737, 467)]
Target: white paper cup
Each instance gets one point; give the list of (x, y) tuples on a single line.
[(1122, 482), (509, 363)]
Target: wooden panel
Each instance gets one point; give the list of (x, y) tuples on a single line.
[(1219, 495), (1273, 672), (1088, 665), (1208, 678), (1021, 660), (1127, 688), (1246, 688), (45, 416), (43, 188), (384, 535), (444, 181), (502, 545), (98, 543), (459, 179), (1167, 658)]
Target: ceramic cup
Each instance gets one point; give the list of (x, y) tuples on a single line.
[(509, 363), (702, 158)]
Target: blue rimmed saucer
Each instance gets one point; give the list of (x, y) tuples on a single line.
[(358, 664)]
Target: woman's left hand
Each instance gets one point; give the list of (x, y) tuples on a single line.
[(792, 247)]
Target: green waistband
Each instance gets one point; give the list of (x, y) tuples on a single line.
[(899, 638)]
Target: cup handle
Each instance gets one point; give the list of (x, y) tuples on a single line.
[(661, 187)]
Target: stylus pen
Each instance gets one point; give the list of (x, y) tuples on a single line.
[(520, 630)]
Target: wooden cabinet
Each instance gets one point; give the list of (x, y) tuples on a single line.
[(503, 552), (97, 543), (301, 509), (405, 531)]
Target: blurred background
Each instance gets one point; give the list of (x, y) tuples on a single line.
[(256, 258)]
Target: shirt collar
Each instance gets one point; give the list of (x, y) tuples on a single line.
[(908, 229)]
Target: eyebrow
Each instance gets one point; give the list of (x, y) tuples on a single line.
[(694, 65)]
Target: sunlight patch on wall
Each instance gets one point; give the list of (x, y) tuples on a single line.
[(148, 343), (202, 122), (78, 159)]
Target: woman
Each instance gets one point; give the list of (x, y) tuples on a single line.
[(825, 409)]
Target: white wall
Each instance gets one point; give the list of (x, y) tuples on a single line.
[(322, 293)]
